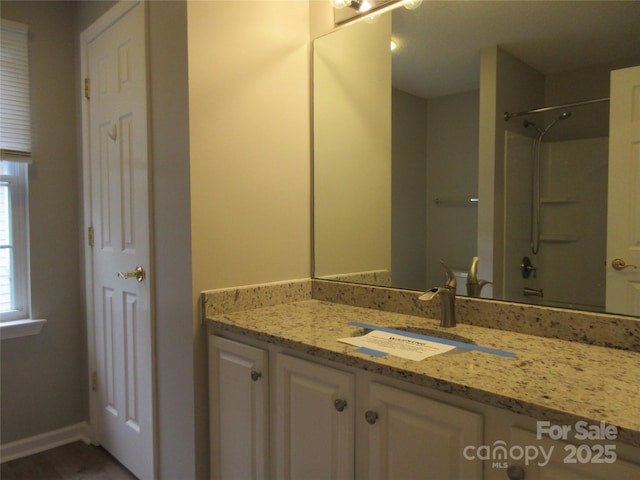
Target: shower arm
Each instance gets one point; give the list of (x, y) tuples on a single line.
[(508, 116)]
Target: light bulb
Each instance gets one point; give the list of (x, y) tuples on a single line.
[(365, 6), (412, 4), (340, 3)]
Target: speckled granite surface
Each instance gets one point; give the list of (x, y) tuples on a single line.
[(616, 331), (254, 296), (550, 379), (380, 278)]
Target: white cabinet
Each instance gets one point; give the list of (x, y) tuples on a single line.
[(413, 437), (300, 422), (238, 405), (278, 416), (314, 421), (595, 460)]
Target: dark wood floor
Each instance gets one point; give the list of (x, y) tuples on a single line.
[(75, 461)]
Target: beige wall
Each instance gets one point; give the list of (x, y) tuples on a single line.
[(352, 149), (249, 141), (249, 150)]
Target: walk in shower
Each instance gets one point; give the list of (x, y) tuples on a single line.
[(556, 191)]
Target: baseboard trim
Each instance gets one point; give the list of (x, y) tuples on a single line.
[(44, 441)]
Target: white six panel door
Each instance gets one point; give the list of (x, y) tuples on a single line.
[(120, 217)]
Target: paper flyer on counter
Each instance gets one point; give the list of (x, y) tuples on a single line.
[(398, 345)]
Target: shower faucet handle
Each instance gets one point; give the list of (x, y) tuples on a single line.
[(527, 268)]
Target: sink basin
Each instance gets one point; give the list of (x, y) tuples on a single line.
[(423, 331)]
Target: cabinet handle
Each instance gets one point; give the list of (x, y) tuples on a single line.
[(255, 375), (371, 417), (340, 404), (515, 472)]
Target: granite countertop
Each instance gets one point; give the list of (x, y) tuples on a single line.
[(548, 379)]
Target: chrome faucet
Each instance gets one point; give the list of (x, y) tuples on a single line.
[(474, 286), (447, 296)]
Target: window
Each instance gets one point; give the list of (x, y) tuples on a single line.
[(15, 154), (14, 299)]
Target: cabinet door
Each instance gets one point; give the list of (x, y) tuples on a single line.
[(239, 410), (412, 437), (585, 461), (314, 421)]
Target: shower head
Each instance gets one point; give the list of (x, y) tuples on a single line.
[(562, 116)]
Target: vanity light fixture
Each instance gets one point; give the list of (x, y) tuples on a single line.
[(366, 5), (368, 10), (360, 5), (394, 45)]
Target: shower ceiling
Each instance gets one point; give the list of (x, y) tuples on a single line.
[(440, 42)]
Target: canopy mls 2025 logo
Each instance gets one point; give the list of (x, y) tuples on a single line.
[(502, 455)]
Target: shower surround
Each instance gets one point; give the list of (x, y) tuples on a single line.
[(573, 221)]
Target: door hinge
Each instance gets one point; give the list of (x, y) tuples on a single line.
[(87, 88), (94, 381), (90, 236)]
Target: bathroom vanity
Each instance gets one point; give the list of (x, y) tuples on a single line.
[(288, 400)]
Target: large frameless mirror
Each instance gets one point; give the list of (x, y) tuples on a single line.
[(484, 134)]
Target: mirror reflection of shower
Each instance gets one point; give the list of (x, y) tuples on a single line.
[(535, 187), (555, 184)]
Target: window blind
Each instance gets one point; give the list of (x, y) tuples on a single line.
[(15, 98)]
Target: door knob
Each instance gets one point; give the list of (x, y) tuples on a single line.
[(138, 274), (620, 264)]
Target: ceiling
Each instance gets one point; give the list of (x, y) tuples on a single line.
[(439, 43)]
